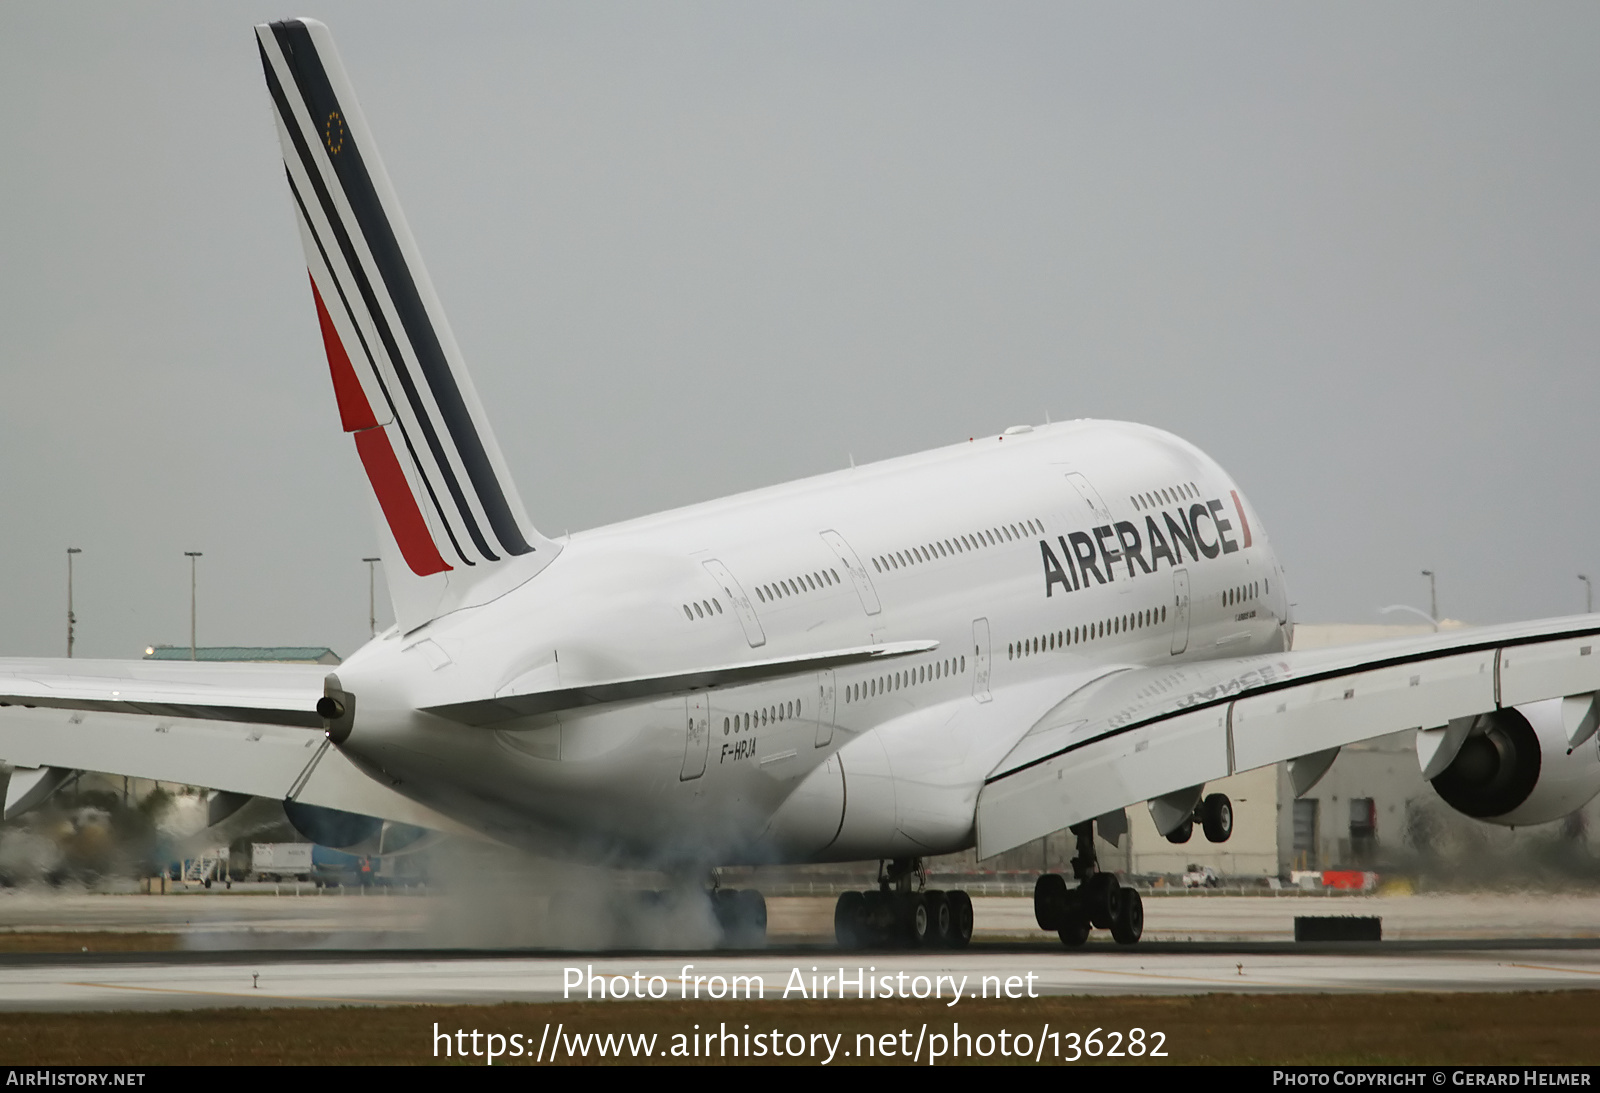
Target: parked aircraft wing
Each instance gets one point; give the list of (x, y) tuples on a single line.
[(504, 707), (1143, 732)]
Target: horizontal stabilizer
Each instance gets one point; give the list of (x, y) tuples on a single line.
[(260, 760), (260, 694), (505, 707)]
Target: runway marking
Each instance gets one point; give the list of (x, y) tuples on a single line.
[(1549, 968), (1197, 978), (231, 994), (1363, 987)]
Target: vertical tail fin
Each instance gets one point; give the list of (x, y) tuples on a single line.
[(456, 531)]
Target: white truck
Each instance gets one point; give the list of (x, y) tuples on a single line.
[(280, 861)]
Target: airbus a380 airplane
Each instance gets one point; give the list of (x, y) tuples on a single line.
[(974, 646)]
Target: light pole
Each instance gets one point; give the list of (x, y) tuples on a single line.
[(1588, 594), (193, 556), (72, 619), (1433, 598), (372, 602)]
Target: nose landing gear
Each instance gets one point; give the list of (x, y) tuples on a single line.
[(1098, 902), (896, 915)]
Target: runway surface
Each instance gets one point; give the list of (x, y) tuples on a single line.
[(238, 920), (263, 950)]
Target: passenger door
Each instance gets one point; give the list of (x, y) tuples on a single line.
[(980, 660), (858, 572), (739, 601), (697, 737), (1180, 610), (827, 692)]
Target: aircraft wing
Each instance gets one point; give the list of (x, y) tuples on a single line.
[(1141, 733), (242, 728)]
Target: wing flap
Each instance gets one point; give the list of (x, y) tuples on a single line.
[(1547, 669), (1333, 712)]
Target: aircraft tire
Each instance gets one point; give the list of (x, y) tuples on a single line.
[(1128, 927), (850, 920), (921, 927), (1050, 901), (960, 905), (1216, 817), (943, 921), (1102, 896), (1075, 933)]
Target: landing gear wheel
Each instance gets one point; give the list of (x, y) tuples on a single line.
[(1128, 926), (850, 920), (879, 920), (1102, 898), (1050, 901), (742, 914), (752, 908), (920, 924), (1216, 817), (960, 905), (1075, 933), (1182, 832), (939, 913)]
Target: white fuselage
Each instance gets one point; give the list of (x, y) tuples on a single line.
[(1029, 558)]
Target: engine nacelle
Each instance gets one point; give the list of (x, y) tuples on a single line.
[(1514, 767), (353, 832)]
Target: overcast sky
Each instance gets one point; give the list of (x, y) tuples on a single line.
[(1350, 250)]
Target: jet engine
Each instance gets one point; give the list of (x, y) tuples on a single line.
[(1519, 765), (353, 832)]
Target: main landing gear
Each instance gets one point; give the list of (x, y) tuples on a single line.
[(895, 915), (742, 915), (1215, 815), (1098, 902)]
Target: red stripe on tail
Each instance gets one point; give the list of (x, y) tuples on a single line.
[(1239, 508), (398, 503), (355, 412)]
